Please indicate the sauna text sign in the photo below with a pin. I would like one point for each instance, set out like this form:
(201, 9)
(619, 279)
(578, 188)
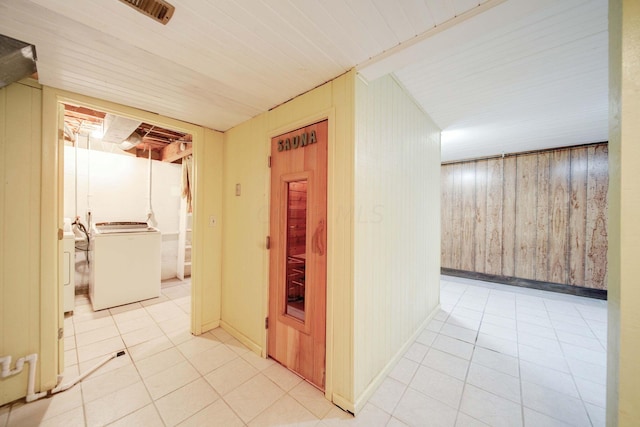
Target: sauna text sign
(297, 141)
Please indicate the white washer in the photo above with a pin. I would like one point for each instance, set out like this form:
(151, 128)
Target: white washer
(69, 270)
(125, 264)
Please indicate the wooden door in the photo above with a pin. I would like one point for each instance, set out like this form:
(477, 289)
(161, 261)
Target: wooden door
(298, 258)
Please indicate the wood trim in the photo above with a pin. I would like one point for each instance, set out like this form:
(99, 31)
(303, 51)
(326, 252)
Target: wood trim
(528, 283)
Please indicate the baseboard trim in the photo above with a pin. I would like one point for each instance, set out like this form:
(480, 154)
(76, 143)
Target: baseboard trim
(528, 283)
(242, 338)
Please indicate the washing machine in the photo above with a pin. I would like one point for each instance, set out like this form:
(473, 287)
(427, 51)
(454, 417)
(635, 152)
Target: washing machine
(124, 263)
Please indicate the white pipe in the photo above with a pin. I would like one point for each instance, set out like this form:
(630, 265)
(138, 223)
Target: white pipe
(31, 394)
(88, 182)
(67, 386)
(6, 366)
(149, 208)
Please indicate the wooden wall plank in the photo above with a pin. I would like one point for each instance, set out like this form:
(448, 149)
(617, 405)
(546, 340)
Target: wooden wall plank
(577, 216)
(540, 216)
(479, 237)
(543, 217)
(468, 182)
(559, 204)
(525, 219)
(509, 216)
(493, 236)
(456, 217)
(596, 241)
(446, 183)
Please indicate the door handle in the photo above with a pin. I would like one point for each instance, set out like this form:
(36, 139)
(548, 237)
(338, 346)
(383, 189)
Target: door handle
(317, 241)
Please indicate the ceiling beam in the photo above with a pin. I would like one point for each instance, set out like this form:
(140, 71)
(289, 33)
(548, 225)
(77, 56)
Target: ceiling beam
(176, 150)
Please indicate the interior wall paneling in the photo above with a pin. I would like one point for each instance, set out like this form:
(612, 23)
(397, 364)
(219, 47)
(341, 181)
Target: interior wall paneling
(468, 180)
(542, 217)
(596, 223)
(509, 216)
(577, 216)
(526, 227)
(456, 216)
(538, 216)
(480, 216)
(493, 257)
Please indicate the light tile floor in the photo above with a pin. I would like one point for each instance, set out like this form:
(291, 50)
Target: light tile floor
(493, 355)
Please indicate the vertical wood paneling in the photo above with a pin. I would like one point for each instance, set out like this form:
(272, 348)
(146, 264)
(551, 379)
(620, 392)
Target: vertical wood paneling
(596, 239)
(525, 233)
(578, 216)
(468, 178)
(456, 218)
(543, 217)
(446, 182)
(509, 216)
(559, 209)
(493, 237)
(479, 237)
(540, 216)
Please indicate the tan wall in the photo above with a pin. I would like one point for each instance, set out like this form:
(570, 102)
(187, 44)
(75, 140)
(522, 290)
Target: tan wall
(539, 216)
(246, 225)
(623, 367)
(397, 228)
(20, 162)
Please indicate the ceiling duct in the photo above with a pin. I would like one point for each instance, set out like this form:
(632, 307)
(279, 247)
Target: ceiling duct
(159, 10)
(117, 129)
(17, 60)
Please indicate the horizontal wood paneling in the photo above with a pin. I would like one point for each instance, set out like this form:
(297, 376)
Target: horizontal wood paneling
(537, 216)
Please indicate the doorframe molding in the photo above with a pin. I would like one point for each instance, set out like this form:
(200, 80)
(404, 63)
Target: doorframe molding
(328, 114)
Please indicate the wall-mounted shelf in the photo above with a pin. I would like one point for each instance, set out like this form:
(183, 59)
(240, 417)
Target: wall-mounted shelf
(184, 241)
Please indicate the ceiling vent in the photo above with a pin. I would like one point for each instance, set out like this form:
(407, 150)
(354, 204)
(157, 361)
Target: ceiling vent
(17, 60)
(159, 10)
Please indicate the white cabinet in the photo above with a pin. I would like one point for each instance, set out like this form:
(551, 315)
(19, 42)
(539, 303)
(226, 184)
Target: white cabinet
(184, 241)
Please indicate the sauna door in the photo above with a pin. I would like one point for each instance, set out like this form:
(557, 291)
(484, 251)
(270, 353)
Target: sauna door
(298, 256)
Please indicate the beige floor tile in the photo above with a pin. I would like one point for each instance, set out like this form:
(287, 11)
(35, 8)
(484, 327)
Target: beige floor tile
(253, 397)
(130, 325)
(388, 394)
(124, 308)
(216, 414)
(149, 348)
(102, 348)
(69, 342)
(180, 336)
(72, 418)
(221, 334)
(144, 417)
(182, 322)
(169, 380)
(186, 402)
(116, 405)
(154, 301)
(311, 398)
(229, 376)
(212, 358)
(490, 409)
(142, 335)
(45, 408)
(70, 357)
(197, 345)
(282, 376)
(105, 367)
(93, 320)
(260, 363)
(100, 386)
(164, 311)
(96, 335)
(236, 346)
(159, 362)
(465, 420)
(286, 411)
(369, 416)
(128, 315)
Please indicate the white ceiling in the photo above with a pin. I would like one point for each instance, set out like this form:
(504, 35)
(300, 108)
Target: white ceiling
(521, 74)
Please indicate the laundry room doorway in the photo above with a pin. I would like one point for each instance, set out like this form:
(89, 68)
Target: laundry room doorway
(140, 159)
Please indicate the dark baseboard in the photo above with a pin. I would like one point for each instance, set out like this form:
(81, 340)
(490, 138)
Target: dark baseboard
(528, 283)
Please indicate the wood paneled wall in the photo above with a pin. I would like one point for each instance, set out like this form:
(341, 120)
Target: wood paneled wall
(539, 216)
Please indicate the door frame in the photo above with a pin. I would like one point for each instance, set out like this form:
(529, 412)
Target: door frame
(53, 201)
(328, 114)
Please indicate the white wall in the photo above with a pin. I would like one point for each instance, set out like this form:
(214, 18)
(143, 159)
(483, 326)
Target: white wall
(397, 227)
(115, 188)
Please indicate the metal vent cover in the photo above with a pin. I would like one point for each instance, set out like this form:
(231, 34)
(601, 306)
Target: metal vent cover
(159, 10)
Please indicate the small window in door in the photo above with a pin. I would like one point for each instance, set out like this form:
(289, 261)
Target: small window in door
(296, 249)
